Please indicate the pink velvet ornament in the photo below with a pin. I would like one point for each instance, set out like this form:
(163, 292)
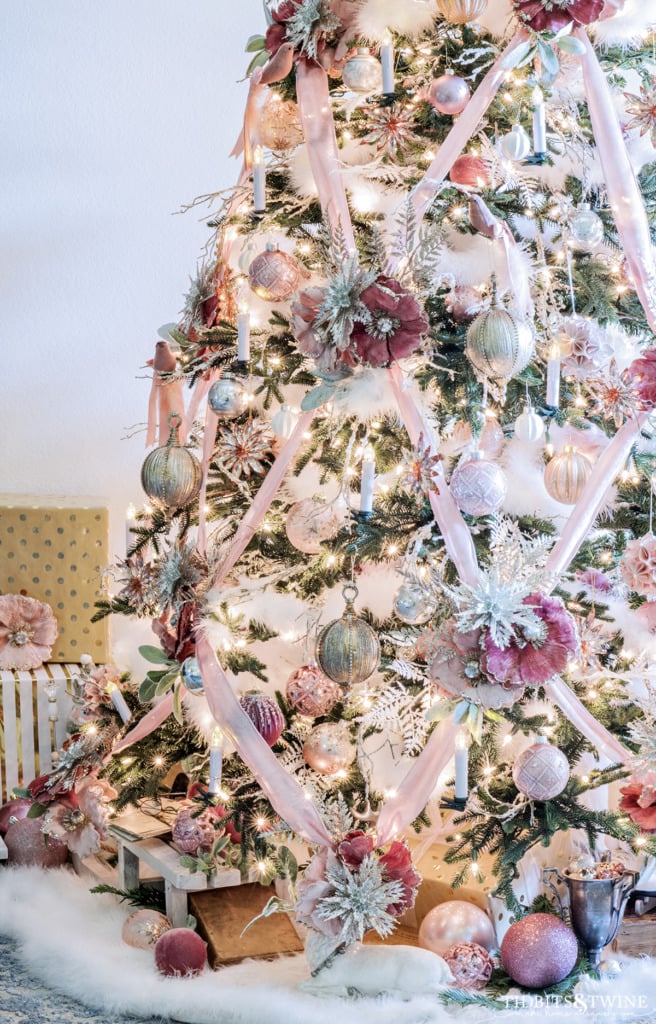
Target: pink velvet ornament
(180, 952)
(265, 715)
(27, 846)
(471, 171)
(13, 809)
(539, 950)
(449, 94)
(470, 964)
(310, 692)
(192, 834)
(638, 565)
(143, 928)
(455, 921)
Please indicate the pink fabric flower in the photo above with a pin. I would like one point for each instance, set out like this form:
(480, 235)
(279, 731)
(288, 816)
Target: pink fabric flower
(276, 32)
(311, 889)
(551, 16)
(644, 371)
(80, 819)
(638, 565)
(397, 867)
(27, 632)
(304, 312)
(397, 323)
(530, 662)
(354, 848)
(639, 801)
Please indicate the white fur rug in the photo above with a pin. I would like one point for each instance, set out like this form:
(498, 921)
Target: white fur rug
(71, 941)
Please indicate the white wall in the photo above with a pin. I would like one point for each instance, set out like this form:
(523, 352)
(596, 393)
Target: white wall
(112, 115)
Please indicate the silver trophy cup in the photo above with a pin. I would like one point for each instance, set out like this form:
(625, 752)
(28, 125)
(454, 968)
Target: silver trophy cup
(595, 907)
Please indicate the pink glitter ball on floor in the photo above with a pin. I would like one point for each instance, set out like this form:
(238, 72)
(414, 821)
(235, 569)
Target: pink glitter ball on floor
(538, 951)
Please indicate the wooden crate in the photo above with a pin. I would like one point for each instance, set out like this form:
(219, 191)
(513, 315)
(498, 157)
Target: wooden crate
(637, 936)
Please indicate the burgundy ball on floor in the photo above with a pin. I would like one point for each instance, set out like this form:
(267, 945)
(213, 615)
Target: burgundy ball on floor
(180, 951)
(538, 951)
(27, 847)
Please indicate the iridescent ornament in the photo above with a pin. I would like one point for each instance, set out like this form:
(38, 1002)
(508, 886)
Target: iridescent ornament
(143, 928)
(283, 422)
(499, 345)
(586, 228)
(455, 921)
(348, 649)
(638, 565)
(566, 475)
(363, 73)
(312, 521)
(470, 964)
(541, 771)
(26, 845)
(279, 124)
(471, 171)
(478, 486)
(171, 474)
(192, 677)
(273, 275)
(310, 692)
(227, 397)
(265, 715)
(413, 605)
(538, 951)
(329, 748)
(461, 12)
(516, 145)
(528, 425)
(449, 94)
(191, 833)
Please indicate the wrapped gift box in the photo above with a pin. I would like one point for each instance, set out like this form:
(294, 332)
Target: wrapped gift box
(55, 549)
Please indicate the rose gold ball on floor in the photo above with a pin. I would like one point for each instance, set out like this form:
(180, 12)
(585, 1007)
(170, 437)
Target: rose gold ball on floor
(27, 847)
(455, 921)
(144, 927)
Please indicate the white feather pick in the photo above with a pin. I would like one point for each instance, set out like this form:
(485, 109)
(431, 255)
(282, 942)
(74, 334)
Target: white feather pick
(376, 17)
(627, 27)
(367, 395)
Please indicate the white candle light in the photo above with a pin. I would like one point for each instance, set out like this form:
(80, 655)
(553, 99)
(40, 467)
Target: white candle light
(118, 700)
(259, 181)
(539, 123)
(243, 333)
(367, 480)
(461, 744)
(553, 376)
(216, 762)
(130, 521)
(387, 62)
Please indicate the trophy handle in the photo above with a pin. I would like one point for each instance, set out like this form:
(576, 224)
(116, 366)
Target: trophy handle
(547, 882)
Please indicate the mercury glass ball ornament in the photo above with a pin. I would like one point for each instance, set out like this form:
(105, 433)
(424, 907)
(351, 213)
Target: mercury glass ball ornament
(191, 676)
(348, 649)
(312, 521)
(528, 425)
(455, 921)
(499, 344)
(449, 94)
(310, 692)
(516, 145)
(279, 124)
(478, 486)
(566, 475)
(227, 397)
(171, 474)
(539, 950)
(541, 772)
(363, 73)
(143, 928)
(273, 275)
(413, 605)
(586, 229)
(283, 422)
(461, 12)
(329, 748)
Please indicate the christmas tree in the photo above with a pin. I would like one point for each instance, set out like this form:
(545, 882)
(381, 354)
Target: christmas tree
(398, 546)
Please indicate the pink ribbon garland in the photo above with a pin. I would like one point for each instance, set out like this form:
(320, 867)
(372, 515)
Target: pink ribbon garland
(209, 437)
(623, 192)
(150, 721)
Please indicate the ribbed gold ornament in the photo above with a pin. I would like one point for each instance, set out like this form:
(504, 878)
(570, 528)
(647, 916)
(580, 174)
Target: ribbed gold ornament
(566, 475)
(171, 474)
(499, 345)
(461, 12)
(348, 650)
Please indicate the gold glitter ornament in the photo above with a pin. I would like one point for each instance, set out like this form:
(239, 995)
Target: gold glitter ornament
(348, 649)
(566, 475)
(171, 475)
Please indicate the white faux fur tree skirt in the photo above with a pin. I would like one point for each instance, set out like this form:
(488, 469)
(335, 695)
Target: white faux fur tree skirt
(71, 941)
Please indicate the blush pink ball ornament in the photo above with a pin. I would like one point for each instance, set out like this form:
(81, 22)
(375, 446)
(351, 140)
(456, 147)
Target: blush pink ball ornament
(449, 94)
(541, 772)
(455, 921)
(273, 275)
(470, 964)
(190, 834)
(471, 171)
(310, 692)
(265, 715)
(27, 847)
(329, 749)
(143, 928)
(312, 521)
(539, 950)
(478, 486)
(180, 952)
(13, 809)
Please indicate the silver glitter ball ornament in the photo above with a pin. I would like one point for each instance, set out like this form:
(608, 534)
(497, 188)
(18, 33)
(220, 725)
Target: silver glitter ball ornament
(478, 486)
(586, 229)
(227, 397)
(363, 73)
(413, 605)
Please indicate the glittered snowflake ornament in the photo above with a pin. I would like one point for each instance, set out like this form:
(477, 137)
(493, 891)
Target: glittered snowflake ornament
(391, 130)
(643, 108)
(243, 449)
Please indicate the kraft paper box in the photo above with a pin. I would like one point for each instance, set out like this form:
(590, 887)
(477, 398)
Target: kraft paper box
(55, 550)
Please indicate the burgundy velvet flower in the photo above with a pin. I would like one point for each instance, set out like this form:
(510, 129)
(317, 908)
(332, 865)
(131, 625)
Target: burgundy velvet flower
(397, 323)
(397, 867)
(354, 848)
(530, 662)
(644, 371)
(547, 16)
(639, 801)
(276, 32)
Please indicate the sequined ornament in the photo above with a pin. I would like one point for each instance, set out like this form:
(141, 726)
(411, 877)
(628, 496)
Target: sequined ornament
(413, 605)
(348, 649)
(363, 73)
(539, 950)
(582, 346)
(191, 676)
(26, 845)
(643, 109)
(528, 425)
(310, 692)
(283, 422)
(243, 449)
(391, 129)
(143, 928)
(471, 171)
(638, 565)
(192, 833)
(265, 715)
(312, 521)
(470, 964)
(499, 345)
(478, 486)
(461, 12)
(279, 124)
(273, 275)
(171, 474)
(586, 228)
(566, 475)
(227, 397)
(329, 748)
(455, 921)
(449, 94)
(541, 772)
(516, 145)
